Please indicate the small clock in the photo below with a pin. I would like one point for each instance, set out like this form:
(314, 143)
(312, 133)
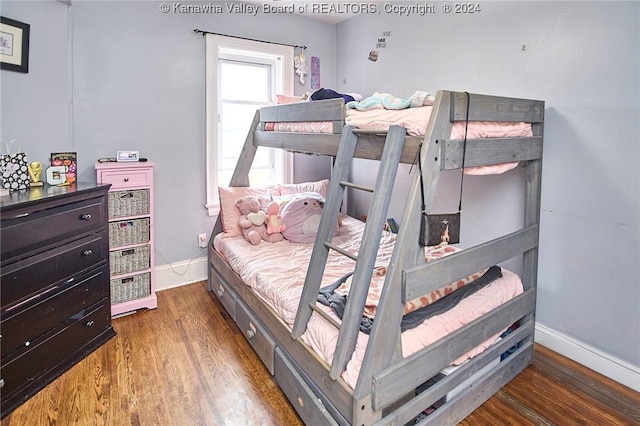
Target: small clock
(128, 156)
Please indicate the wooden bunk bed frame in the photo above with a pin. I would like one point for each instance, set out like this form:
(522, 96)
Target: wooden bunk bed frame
(386, 389)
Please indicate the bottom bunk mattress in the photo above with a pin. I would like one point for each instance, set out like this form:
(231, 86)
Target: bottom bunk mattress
(276, 273)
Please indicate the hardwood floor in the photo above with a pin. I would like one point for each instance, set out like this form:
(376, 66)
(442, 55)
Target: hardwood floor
(186, 363)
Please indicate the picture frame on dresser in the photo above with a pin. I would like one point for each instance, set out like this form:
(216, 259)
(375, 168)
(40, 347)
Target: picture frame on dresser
(131, 236)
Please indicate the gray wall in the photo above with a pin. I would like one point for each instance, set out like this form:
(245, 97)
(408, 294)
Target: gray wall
(582, 58)
(36, 107)
(136, 79)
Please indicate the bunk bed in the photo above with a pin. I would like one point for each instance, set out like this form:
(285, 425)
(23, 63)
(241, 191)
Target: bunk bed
(333, 371)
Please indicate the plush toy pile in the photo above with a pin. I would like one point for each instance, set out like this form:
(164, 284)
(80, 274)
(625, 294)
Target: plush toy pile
(253, 221)
(295, 218)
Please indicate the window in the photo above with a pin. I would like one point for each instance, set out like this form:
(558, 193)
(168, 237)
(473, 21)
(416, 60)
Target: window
(242, 76)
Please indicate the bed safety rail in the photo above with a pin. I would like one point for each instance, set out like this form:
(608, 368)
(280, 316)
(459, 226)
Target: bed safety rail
(392, 383)
(486, 152)
(431, 276)
(325, 110)
(495, 108)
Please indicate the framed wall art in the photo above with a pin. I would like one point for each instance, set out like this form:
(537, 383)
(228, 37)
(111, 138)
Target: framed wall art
(14, 45)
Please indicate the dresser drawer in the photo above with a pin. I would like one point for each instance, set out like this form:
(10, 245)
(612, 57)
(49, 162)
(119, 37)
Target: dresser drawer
(41, 229)
(29, 277)
(21, 326)
(125, 178)
(20, 371)
(261, 342)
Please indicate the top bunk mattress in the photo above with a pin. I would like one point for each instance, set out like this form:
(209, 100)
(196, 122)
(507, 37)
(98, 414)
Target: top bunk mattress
(276, 273)
(415, 120)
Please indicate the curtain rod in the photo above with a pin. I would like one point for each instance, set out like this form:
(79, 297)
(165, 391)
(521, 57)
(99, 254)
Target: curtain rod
(196, 30)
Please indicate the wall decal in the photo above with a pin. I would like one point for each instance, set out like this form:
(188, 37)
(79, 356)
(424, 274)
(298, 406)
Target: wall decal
(315, 72)
(381, 43)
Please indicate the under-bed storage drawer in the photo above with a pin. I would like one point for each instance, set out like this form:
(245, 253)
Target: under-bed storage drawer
(256, 335)
(226, 296)
(305, 402)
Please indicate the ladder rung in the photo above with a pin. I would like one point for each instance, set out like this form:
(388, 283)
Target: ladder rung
(325, 315)
(369, 132)
(341, 251)
(356, 186)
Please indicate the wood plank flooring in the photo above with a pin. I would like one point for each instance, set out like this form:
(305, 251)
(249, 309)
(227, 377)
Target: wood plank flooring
(186, 363)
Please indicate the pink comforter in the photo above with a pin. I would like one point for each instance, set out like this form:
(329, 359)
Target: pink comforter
(276, 273)
(415, 120)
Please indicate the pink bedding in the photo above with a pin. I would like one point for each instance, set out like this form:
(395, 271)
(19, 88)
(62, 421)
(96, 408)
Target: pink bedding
(300, 127)
(276, 273)
(415, 120)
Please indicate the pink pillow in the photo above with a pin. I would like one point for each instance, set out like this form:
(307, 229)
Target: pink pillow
(301, 216)
(286, 99)
(229, 213)
(320, 187)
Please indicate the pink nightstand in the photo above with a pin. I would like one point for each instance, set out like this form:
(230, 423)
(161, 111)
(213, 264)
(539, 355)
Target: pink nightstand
(131, 224)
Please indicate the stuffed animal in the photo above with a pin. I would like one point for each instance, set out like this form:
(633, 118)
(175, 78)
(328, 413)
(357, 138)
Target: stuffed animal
(273, 219)
(301, 215)
(252, 221)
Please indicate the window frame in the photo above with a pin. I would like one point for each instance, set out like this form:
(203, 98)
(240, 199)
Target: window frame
(215, 47)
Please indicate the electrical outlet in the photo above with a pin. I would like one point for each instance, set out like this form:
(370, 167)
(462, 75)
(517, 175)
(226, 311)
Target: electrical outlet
(202, 240)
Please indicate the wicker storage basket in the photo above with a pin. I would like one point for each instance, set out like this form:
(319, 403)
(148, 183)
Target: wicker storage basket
(128, 232)
(130, 260)
(130, 288)
(128, 203)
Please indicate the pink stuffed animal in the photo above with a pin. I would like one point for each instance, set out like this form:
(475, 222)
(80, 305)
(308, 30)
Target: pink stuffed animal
(273, 219)
(252, 221)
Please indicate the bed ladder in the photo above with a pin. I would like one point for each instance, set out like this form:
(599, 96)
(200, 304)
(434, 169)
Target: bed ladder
(366, 258)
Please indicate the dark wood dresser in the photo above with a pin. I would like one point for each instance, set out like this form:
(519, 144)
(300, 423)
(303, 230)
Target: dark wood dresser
(54, 285)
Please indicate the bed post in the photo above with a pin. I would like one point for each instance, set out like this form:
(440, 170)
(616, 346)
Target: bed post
(240, 175)
(532, 217)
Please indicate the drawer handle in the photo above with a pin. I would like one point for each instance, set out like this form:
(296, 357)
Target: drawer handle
(250, 333)
(27, 343)
(85, 216)
(33, 298)
(90, 323)
(220, 292)
(87, 253)
(1, 383)
(126, 179)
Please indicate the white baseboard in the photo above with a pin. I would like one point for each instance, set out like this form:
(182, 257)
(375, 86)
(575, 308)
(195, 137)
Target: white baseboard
(180, 273)
(595, 359)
